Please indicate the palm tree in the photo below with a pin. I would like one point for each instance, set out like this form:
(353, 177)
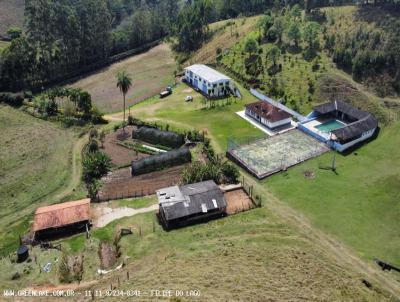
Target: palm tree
(124, 83)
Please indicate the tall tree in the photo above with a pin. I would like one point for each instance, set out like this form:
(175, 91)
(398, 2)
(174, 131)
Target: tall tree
(124, 83)
(273, 54)
(294, 33)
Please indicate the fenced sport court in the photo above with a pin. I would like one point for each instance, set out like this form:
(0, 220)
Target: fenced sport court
(263, 157)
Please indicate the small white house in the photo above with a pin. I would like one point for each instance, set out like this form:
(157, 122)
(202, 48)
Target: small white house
(268, 115)
(211, 82)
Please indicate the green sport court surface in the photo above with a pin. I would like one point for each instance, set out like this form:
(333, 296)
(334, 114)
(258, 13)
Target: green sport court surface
(330, 126)
(268, 156)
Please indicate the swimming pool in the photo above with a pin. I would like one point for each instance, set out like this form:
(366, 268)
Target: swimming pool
(330, 126)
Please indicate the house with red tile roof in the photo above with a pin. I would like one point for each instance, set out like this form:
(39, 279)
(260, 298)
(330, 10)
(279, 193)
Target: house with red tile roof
(268, 115)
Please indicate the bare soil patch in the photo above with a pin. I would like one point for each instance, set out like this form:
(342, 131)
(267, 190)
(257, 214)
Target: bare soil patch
(120, 184)
(103, 215)
(188, 90)
(121, 155)
(107, 254)
(237, 201)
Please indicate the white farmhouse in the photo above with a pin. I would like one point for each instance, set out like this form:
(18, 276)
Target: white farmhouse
(211, 82)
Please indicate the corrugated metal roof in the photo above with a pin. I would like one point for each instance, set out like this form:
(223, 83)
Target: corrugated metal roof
(198, 197)
(207, 73)
(61, 214)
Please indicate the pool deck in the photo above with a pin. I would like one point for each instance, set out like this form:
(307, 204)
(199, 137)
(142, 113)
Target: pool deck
(313, 126)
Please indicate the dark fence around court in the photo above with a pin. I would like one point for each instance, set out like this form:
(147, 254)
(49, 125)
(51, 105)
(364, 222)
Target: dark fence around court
(234, 143)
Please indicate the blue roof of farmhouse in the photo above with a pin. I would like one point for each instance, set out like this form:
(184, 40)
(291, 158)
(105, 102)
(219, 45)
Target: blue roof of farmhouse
(207, 73)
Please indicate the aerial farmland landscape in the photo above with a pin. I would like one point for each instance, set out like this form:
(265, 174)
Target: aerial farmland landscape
(204, 150)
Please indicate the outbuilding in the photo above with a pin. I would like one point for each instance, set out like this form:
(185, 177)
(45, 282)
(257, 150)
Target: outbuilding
(210, 81)
(188, 204)
(64, 218)
(268, 115)
(340, 125)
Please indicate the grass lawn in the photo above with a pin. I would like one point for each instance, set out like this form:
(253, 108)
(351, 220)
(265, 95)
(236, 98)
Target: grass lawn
(4, 44)
(135, 203)
(151, 72)
(360, 205)
(249, 248)
(219, 123)
(35, 160)
(255, 248)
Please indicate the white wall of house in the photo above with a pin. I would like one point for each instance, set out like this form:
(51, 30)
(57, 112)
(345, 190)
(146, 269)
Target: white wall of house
(366, 135)
(276, 124)
(213, 89)
(267, 123)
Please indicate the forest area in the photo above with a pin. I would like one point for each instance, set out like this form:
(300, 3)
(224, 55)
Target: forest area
(64, 37)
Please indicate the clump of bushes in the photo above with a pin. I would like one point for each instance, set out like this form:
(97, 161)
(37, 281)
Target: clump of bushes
(78, 110)
(70, 268)
(95, 164)
(218, 171)
(12, 99)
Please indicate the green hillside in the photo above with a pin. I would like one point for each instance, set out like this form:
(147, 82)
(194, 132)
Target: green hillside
(36, 160)
(288, 58)
(359, 205)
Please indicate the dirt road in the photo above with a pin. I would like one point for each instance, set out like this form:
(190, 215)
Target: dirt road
(105, 215)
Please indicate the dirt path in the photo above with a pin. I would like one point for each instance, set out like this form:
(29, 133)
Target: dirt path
(76, 173)
(334, 248)
(105, 215)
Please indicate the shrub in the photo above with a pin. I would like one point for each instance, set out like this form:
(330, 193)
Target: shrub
(28, 95)
(93, 188)
(12, 99)
(97, 116)
(93, 133)
(64, 273)
(50, 107)
(230, 172)
(198, 172)
(95, 165)
(130, 120)
(93, 146)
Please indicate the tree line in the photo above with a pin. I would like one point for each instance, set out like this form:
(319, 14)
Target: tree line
(64, 36)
